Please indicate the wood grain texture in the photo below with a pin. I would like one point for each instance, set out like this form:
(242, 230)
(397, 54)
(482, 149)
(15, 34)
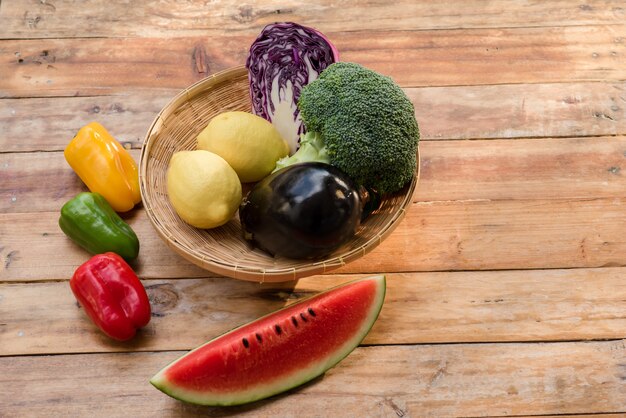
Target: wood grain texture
(496, 306)
(456, 235)
(48, 124)
(39, 181)
(422, 380)
(506, 292)
(601, 415)
(52, 252)
(561, 168)
(487, 235)
(520, 110)
(31, 19)
(79, 67)
(549, 168)
(458, 112)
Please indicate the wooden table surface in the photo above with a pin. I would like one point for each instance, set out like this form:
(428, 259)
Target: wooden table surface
(506, 279)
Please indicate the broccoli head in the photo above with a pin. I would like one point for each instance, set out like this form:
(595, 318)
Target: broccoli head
(361, 122)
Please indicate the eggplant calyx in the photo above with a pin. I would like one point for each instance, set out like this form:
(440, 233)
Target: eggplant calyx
(371, 199)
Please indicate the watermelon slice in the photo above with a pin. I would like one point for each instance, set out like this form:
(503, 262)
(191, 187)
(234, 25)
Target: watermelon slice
(278, 351)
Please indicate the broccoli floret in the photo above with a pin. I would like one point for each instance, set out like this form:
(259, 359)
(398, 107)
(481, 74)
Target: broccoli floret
(363, 123)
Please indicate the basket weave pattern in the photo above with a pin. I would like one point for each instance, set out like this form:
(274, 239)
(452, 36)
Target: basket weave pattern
(223, 250)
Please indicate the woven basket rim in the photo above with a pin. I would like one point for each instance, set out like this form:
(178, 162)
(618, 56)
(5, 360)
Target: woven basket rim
(254, 273)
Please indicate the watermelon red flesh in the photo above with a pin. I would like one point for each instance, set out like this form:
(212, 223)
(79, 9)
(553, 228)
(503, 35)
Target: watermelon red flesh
(278, 351)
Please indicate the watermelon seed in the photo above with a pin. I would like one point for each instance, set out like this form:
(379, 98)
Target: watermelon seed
(278, 329)
(303, 317)
(258, 337)
(311, 312)
(245, 343)
(295, 321)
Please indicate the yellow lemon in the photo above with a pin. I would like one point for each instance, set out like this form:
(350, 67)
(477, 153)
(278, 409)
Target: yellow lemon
(203, 189)
(249, 143)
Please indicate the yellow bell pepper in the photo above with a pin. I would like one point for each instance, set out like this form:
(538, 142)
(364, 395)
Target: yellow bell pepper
(104, 166)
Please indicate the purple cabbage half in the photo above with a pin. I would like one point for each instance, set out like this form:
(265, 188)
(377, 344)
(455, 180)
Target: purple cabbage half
(284, 58)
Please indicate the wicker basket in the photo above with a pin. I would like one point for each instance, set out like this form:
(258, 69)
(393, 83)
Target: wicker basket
(223, 250)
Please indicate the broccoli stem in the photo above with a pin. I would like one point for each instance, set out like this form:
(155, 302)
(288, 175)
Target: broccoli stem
(312, 149)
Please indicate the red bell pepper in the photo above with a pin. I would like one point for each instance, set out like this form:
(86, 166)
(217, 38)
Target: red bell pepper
(112, 295)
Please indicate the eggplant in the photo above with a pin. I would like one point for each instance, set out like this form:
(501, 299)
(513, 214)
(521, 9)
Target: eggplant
(303, 211)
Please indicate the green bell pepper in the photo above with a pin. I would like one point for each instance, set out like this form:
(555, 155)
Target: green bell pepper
(91, 222)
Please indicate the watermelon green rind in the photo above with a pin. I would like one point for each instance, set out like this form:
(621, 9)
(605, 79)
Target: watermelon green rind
(261, 391)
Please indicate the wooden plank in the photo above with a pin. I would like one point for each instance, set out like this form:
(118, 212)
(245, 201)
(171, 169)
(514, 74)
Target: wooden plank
(48, 124)
(455, 235)
(600, 415)
(30, 19)
(40, 181)
(495, 306)
(555, 168)
(79, 67)
(457, 112)
(561, 168)
(51, 255)
(487, 235)
(425, 381)
(520, 110)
